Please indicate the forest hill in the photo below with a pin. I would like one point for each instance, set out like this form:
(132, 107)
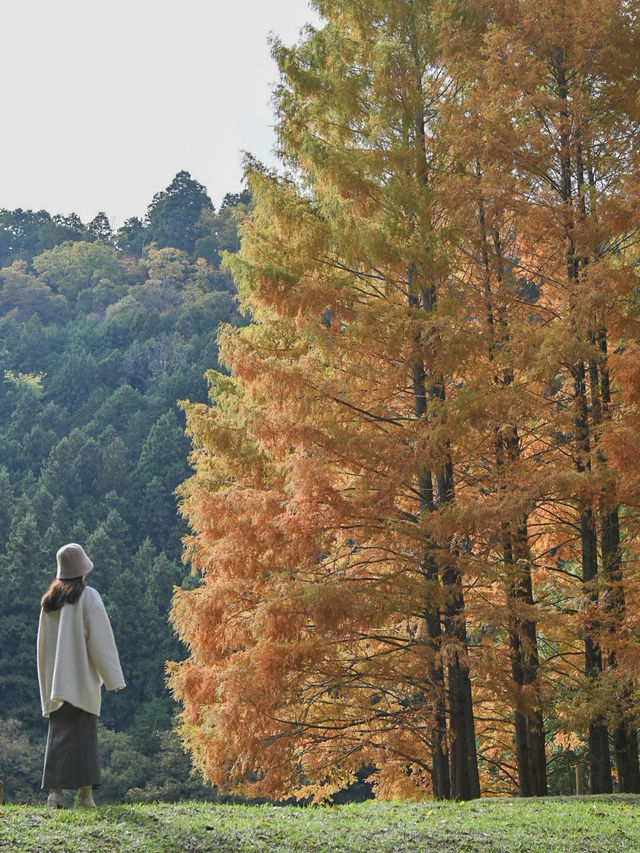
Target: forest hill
(102, 333)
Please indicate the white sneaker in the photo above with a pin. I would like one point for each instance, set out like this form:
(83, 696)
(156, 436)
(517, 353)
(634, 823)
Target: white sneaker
(56, 799)
(85, 798)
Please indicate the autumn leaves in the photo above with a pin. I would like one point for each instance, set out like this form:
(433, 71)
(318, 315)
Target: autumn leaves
(411, 503)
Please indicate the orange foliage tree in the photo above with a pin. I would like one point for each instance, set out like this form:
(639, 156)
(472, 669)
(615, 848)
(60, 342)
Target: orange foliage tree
(411, 499)
(559, 102)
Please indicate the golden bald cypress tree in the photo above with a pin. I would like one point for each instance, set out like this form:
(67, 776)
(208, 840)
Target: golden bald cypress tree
(411, 501)
(553, 91)
(344, 268)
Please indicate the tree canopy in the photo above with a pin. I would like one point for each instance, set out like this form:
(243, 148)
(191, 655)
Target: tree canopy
(412, 504)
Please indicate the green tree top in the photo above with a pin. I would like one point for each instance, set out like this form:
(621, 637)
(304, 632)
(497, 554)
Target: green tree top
(174, 213)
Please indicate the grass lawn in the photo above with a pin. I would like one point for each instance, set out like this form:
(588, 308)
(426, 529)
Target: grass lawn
(576, 824)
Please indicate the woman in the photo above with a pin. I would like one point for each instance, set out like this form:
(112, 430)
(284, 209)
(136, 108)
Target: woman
(76, 655)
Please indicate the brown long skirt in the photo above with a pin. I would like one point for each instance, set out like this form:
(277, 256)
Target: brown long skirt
(71, 758)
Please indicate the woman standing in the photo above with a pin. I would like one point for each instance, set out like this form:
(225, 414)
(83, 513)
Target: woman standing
(76, 655)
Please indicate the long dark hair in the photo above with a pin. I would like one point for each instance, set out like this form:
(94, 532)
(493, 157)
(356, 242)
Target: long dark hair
(62, 592)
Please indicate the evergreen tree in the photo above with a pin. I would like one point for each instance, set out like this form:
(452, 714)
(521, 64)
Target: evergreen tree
(173, 214)
(131, 237)
(26, 571)
(100, 228)
(26, 233)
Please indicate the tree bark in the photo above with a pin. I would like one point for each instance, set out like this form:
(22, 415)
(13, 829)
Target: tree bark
(463, 760)
(456, 774)
(600, 781)
(598, 738)
(625, 735)
(625, 744)
(529, 723)
(465, 780)
(440, 776)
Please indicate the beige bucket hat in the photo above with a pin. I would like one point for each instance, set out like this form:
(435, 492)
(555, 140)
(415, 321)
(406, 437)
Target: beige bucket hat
(72, 562)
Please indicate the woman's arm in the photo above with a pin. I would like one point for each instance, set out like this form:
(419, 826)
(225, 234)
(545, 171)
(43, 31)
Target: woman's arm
(101, 646)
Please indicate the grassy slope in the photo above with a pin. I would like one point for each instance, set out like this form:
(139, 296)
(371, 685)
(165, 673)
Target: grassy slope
(579, 825)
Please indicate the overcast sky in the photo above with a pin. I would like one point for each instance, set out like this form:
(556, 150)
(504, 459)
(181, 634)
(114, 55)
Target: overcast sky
(103, 102)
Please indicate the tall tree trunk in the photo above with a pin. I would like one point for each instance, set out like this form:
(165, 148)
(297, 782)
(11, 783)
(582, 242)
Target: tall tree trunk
(599, 758)
(598, 737)
(440, 774)
(435, 676)
(422, 296)
(523, 642)
(465, 780)
(455, 774)
(625, 735)
(525, 664)
(523, 645)
(463, 759)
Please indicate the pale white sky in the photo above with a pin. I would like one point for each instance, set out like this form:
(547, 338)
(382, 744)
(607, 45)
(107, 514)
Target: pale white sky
(103, 101)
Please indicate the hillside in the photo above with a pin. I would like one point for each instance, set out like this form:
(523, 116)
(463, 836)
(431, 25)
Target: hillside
(101, 334)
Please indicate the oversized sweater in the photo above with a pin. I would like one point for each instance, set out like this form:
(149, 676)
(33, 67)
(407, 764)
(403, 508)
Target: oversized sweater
(77, 654)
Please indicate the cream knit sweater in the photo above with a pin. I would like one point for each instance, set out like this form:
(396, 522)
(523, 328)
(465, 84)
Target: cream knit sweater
(76, 654)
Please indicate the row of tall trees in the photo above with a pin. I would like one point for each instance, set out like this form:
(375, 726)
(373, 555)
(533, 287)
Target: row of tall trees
(414, 504)
(181, 216)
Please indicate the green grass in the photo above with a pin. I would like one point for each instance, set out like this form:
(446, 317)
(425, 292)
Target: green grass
(576, 824)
